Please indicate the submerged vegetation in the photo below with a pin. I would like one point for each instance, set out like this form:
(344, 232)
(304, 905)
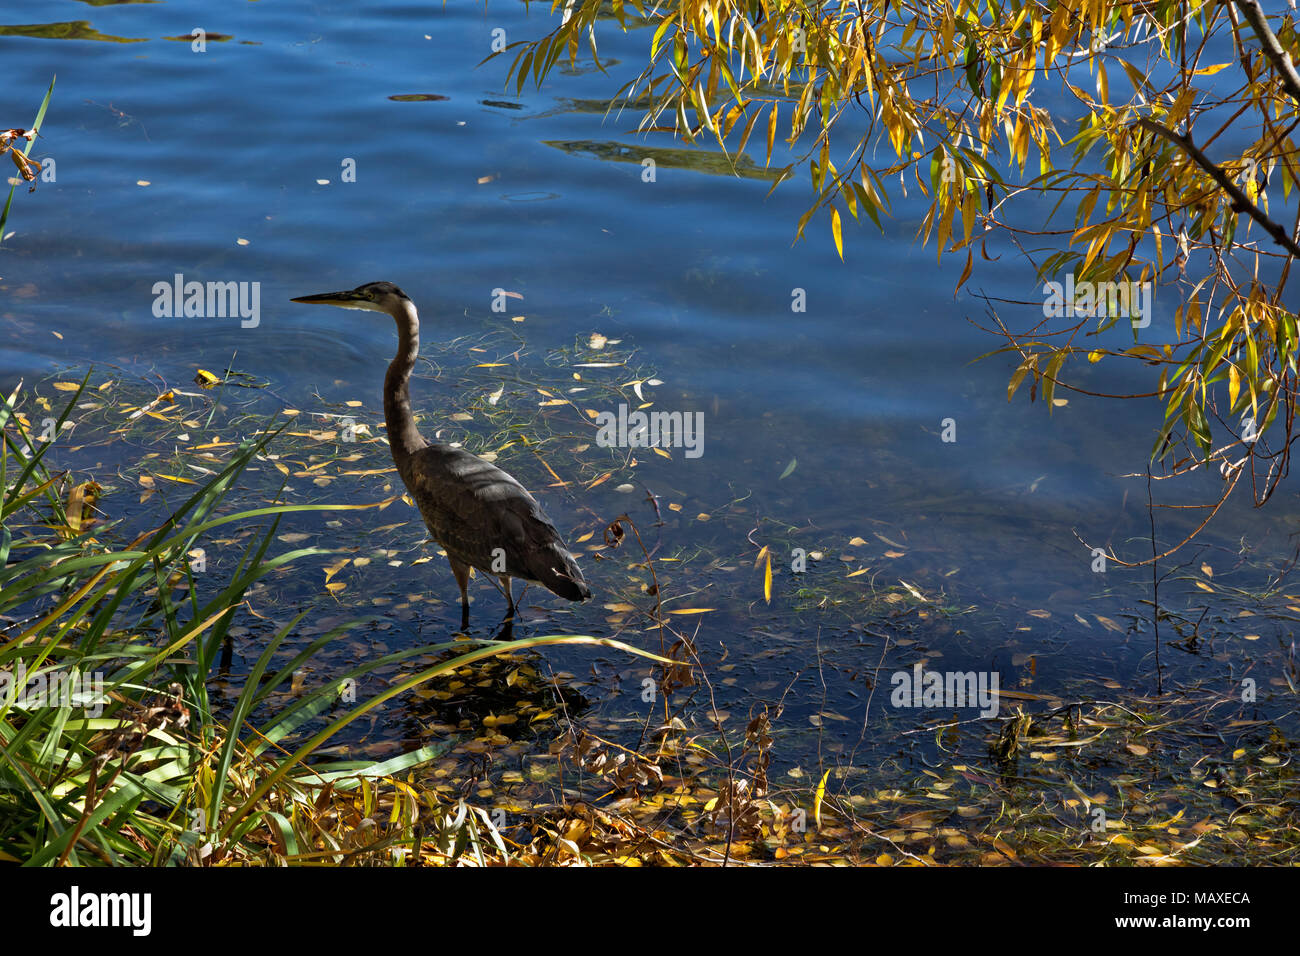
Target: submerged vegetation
(256, 605)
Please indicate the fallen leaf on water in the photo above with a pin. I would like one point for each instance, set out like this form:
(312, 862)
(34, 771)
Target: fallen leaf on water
(818, 796)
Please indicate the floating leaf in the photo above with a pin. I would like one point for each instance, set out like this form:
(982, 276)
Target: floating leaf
(818, 796)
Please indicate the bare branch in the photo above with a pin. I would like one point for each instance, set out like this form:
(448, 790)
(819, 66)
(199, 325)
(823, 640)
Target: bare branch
(1277, 57)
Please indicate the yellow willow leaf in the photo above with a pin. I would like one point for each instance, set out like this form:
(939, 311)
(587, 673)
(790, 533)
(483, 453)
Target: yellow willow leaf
(81, 499)
(970, 207)
(1103, 87)
(965, 273)
(818, 796)
(836, 232)
(945, 224)
(1058, 32)
(771, 132)
(767, 581)
(897, 130)
(1020, 143)
(693, 610)
(335, 568)
(1234, 385)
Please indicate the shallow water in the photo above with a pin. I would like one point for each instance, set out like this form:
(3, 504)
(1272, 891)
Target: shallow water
(211, 165)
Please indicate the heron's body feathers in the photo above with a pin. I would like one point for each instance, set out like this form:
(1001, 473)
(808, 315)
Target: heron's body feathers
(485, 518)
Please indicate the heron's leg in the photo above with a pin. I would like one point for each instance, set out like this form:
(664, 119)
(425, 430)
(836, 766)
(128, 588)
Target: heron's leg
(508, 587)
(461, 571)
(508, 622)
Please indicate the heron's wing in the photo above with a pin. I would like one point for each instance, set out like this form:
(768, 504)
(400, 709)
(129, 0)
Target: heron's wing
(487, 519)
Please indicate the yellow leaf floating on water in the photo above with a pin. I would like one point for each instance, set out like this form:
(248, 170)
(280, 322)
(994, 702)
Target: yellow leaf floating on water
(693, 610)
(818, 796)
(66, 386)
(767, 581)
(205, 379)
(81, 505)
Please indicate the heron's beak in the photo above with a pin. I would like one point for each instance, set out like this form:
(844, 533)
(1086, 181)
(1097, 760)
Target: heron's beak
(346, 300)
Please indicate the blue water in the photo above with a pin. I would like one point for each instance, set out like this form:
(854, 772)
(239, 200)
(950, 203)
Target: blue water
(695, 271)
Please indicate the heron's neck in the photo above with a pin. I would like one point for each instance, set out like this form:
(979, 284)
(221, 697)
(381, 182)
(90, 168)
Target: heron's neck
(403, 436)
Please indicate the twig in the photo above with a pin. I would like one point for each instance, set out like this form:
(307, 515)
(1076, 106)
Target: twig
(1240, 200)
(1276, 56)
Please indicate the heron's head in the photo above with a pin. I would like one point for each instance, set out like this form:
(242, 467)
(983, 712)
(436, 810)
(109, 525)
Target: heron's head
(373, 297)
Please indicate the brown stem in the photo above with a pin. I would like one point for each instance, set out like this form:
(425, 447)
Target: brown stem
(1277, 57)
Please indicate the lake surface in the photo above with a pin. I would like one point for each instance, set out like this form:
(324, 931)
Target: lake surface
(228, 165)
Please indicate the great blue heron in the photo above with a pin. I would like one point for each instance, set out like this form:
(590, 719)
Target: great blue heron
(481, 516)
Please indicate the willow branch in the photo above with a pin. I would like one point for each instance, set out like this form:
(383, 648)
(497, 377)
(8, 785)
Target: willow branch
(1240, 200)
(1277, 57)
